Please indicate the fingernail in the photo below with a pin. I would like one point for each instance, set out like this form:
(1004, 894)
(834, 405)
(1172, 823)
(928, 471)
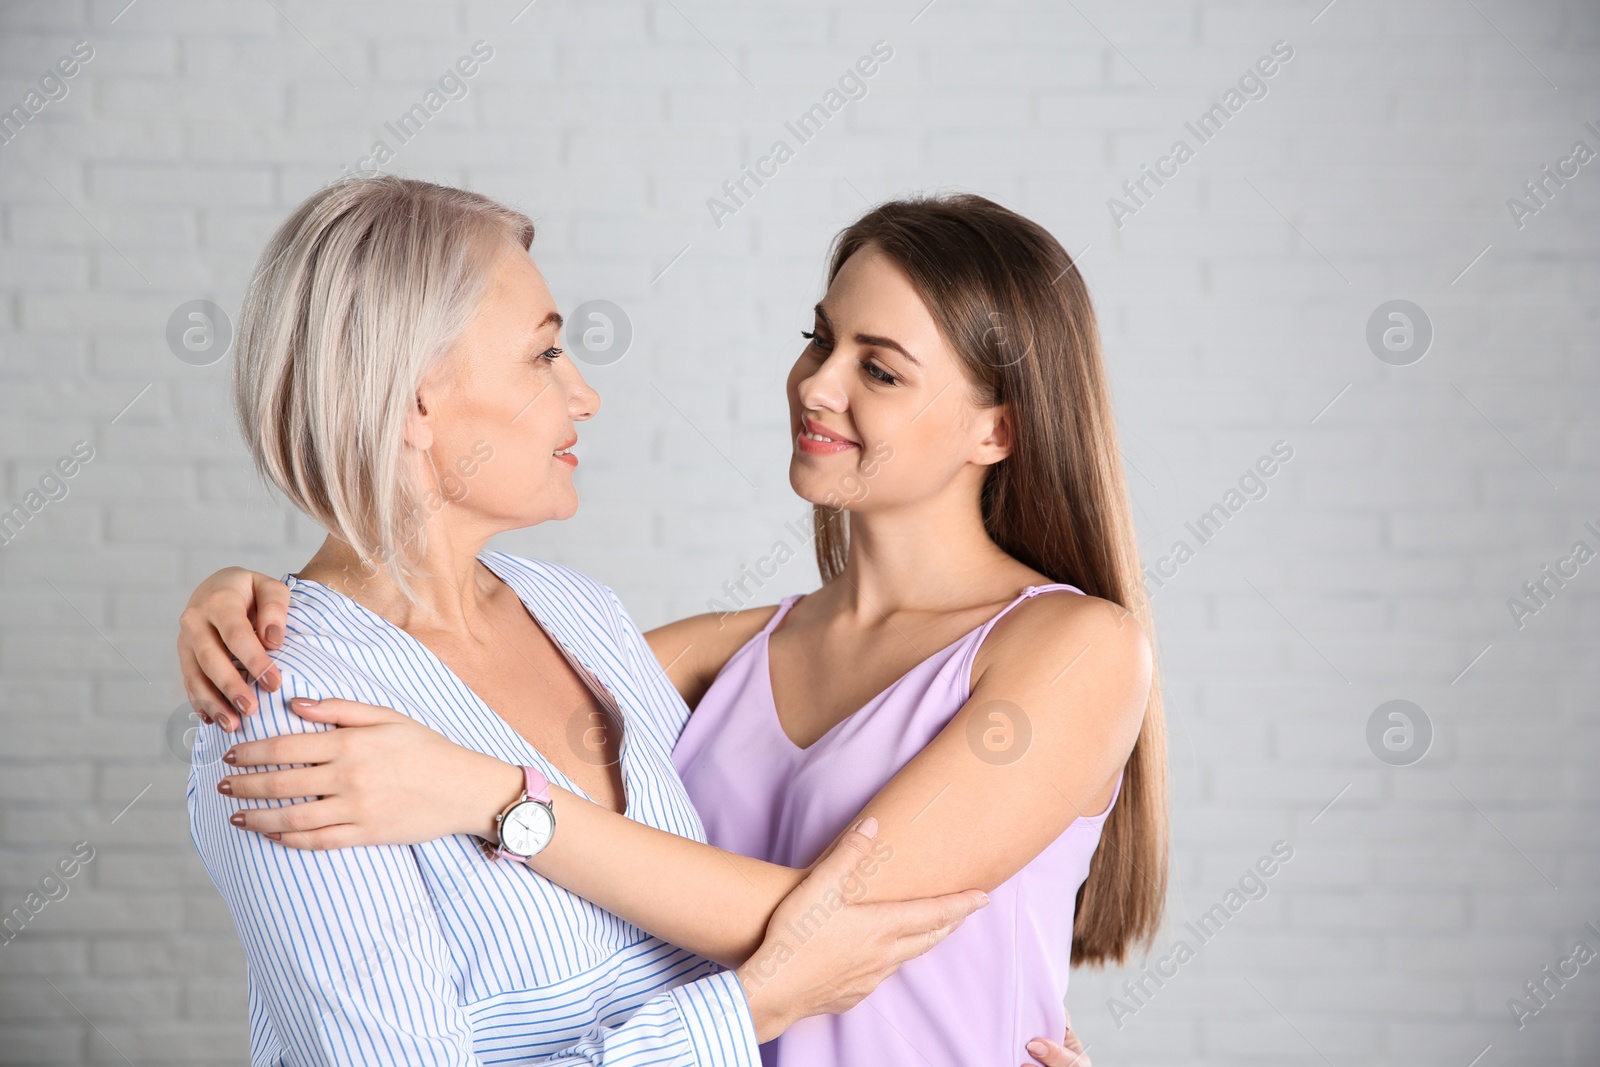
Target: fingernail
(276, 837)
(1037, 1047)
(229, 758)
(868, 826)
(983, 899)
(237, 818)
(302, 703)
(225, 787)
(240, 703)
(274, 635)
(273, 679)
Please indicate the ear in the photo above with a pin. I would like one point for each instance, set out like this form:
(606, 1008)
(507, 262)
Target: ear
(425, 406)
(997, 443)
(419, 421)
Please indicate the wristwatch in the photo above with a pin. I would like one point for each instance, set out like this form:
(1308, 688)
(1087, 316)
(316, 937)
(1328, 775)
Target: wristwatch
(527, 824)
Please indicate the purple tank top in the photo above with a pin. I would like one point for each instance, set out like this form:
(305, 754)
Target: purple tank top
(978, 996)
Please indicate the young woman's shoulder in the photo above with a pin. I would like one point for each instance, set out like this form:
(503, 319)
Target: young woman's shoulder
(1049, 633)
(693, 651)
(717, 632)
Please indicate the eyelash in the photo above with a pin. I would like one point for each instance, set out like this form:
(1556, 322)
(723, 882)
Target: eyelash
(875, 372)
(550, 355)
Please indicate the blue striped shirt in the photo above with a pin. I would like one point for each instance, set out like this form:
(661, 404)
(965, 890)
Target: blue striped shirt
(433, 954)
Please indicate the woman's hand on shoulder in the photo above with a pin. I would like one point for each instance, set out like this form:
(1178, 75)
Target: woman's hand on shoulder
(380, 778)
(221, 652)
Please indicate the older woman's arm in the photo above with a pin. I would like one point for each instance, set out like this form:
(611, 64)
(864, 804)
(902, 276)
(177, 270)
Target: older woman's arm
(347, 950)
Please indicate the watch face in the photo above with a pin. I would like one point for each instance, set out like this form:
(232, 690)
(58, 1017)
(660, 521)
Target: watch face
(527, 828)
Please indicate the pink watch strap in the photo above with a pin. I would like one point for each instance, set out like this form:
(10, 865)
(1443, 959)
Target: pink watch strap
(538, 785)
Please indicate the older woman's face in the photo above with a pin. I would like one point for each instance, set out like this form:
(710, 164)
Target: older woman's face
(501, 409)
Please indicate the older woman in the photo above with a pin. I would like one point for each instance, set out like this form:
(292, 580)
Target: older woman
(398, 348)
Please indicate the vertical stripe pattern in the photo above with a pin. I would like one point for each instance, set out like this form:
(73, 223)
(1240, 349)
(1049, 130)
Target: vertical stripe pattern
(431, 954)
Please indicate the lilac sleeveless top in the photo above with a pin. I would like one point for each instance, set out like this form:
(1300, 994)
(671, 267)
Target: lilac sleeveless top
(978, 996)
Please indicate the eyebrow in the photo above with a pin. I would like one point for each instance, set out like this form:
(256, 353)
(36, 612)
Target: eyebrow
(553, 317)
(870, 339)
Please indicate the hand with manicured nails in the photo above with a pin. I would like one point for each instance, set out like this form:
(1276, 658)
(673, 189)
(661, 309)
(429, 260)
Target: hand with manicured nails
(232, 618)
(381, 778)
(854, 949)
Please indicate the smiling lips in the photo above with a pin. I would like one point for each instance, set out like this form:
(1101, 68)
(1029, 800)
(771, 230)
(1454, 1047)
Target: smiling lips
(818, 440)
(563, 456)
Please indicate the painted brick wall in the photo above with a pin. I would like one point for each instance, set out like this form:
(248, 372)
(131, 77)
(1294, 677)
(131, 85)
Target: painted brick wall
(1379, 562)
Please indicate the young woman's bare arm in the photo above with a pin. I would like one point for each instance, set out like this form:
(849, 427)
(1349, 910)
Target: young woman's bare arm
(693, 651)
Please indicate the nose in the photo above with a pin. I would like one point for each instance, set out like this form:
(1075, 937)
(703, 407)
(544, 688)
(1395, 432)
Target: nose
(583, 400)
(822, 390)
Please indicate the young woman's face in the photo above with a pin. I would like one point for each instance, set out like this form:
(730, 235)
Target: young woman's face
(503, 404)
(880, 410)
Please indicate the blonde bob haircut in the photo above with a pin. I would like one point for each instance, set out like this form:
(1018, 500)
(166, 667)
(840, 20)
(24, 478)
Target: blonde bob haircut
(357, 297)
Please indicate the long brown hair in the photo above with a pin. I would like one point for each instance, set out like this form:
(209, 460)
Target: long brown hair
(1010, 301)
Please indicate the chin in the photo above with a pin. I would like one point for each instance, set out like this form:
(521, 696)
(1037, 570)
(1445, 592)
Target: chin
(547, 507)
(565, 509)
(798, 478)
(807, 485)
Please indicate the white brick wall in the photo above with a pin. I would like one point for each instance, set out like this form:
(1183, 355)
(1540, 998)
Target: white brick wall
(1377, 567)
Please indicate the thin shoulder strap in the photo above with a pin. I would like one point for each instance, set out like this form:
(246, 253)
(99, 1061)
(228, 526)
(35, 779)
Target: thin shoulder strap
(982, 634)
(777, 616)
(1032, 590)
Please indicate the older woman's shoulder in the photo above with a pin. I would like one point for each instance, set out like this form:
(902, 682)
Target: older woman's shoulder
(329, 636)
(564, 596)
(541, 576)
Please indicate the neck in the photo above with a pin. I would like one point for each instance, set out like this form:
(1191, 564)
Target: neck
(926, 556)
(449, 587)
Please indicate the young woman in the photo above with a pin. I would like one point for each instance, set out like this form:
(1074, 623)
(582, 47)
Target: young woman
(974, 673)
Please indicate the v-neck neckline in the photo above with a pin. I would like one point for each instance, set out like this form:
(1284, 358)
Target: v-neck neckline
(552, 772)
(772, 692)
